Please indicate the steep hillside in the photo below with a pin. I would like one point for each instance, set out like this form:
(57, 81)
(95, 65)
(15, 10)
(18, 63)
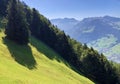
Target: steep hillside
(34, 64)
(22, 23)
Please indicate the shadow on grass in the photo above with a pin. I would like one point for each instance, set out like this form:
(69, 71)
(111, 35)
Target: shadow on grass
(22, 54)
(47, 51)
(41, 47)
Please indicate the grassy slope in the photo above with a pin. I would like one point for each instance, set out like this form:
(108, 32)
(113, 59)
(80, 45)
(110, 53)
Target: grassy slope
(34, 64)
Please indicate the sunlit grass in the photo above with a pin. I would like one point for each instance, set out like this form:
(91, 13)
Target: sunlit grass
(47, 66)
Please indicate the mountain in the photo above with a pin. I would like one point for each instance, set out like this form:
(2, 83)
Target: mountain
(34, 64)
(96, 27)
(76, 56)
(65, 24)
(102, 33)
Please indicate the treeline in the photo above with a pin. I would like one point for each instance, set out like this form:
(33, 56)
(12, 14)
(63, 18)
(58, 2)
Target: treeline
(95, 66)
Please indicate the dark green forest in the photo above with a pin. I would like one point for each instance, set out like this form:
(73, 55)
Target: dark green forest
(23, 22)
(17, 27)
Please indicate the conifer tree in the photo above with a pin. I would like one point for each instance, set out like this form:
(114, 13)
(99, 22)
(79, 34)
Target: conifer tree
(35, 23)
(3, 7)
(17, 27)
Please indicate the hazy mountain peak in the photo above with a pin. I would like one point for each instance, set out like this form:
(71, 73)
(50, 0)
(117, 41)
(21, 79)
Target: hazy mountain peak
(65, 23)
(64, 20)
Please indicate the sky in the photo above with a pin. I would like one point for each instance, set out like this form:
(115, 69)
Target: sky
(77, 9)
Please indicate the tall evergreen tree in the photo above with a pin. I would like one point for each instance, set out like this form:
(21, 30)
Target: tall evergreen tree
(17, 27)
(3, 7)
(35, 23)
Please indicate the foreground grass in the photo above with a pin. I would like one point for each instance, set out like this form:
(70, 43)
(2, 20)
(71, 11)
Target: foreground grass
(34, 64)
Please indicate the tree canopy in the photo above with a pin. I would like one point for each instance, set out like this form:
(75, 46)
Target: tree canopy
(17, 26)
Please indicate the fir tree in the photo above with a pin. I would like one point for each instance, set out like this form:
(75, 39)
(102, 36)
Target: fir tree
(3, 7)
(35, 23)
(17, 27)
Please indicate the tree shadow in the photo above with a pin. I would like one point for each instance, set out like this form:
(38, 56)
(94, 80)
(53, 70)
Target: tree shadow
(41, 47)
(46, 50)
(22, 54)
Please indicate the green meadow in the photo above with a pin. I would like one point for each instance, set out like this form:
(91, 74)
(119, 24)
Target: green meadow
(34, 64)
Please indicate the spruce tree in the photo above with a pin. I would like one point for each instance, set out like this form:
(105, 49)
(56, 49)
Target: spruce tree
(17, 27)
(3, 7)
(35, 23)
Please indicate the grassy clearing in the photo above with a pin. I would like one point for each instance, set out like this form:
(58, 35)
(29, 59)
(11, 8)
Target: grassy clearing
(34, 64)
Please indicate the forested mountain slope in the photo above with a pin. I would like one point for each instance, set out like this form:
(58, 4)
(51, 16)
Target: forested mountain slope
(23, 26)
(34, 64)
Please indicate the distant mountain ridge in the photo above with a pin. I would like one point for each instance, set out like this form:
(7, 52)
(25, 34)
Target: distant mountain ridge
(96, 27)
(102, 33)
(65, 23)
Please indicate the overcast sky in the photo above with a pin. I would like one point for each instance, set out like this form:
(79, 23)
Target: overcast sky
(75, 8)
